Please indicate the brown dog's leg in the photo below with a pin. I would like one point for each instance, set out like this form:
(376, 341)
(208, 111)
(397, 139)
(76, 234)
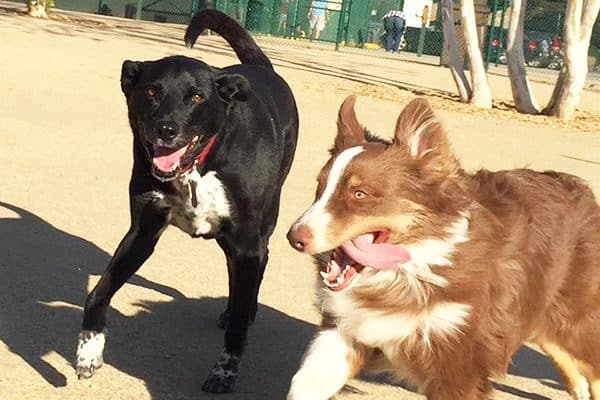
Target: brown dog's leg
(329, 362)
(447, 393)
(468, 385)
(592, 374)
(595, 389)
(567, 366)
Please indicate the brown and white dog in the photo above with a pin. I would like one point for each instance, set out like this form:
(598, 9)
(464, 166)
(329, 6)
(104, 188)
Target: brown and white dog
(440, 275)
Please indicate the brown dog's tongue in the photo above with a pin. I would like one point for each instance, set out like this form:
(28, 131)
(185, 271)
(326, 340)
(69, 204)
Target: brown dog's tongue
(375, 255)
(167, 159)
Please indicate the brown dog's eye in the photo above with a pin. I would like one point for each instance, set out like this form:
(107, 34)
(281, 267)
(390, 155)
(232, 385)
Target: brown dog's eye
(196, 98)
(150, 92)
(359, 194)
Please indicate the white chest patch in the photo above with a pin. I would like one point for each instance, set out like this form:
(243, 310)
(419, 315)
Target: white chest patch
(378, 328)
(206, 204)
(384, 328)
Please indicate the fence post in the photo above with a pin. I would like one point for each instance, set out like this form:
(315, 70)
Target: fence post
(340, 27)
(439, 26)
(193, 7)
(100, 2)
(347, 25)
(504, 7)
(294, 26)
(138, 9)
(490, 33)
(421, 41)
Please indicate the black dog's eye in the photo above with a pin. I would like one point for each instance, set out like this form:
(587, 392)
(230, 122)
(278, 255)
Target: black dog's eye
(150, 92)
(196, 98)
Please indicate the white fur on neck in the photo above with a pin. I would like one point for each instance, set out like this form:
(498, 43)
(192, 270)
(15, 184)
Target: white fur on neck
(436, 252)
(375, 327)
(211, 202)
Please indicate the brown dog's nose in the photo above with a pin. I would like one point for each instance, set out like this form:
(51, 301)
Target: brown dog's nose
(299, 237)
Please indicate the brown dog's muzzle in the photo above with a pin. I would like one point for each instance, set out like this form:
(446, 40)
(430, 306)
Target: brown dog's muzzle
(300, 237)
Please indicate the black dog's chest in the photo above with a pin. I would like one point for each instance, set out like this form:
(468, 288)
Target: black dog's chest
(200, 205)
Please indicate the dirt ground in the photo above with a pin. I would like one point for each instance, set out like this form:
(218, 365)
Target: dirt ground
(65, 151)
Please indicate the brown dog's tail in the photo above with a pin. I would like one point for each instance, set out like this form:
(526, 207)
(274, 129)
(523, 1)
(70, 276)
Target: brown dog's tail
(238, 38)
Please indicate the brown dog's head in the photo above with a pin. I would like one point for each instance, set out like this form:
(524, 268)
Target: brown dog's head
(374, 198)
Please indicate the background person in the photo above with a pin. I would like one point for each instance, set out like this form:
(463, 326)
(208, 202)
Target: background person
(425, 16)
(317, 15)
(283, 16)
(394, 23)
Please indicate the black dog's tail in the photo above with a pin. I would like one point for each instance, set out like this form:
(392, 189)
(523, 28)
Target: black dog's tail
(238, 38)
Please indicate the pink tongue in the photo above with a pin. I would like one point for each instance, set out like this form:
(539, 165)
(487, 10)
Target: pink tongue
(375, 255)
(167, 159)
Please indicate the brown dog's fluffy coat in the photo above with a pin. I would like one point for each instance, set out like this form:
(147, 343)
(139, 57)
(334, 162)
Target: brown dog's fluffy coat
(497, 258)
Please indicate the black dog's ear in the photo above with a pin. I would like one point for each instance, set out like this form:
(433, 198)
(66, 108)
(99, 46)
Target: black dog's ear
(233, 86)
(130, 72)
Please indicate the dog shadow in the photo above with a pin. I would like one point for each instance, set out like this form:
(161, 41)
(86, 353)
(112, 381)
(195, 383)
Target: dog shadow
(170, 345)
(526, 363)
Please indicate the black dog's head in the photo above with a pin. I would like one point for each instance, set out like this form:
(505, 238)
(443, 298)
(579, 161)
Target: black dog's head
(175, 104)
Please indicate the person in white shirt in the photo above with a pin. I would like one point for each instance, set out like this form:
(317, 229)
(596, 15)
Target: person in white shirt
(317, 16)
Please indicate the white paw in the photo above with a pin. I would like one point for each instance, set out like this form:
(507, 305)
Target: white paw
(89, 353)
(582, 391)
(305, 387)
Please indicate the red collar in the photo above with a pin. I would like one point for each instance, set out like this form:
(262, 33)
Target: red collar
(200, 158)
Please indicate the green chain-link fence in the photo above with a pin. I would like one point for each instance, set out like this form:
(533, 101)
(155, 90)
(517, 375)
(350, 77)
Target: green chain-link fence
(357, 25)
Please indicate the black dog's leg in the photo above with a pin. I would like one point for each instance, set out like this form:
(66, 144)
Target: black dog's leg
(249, 258)
(223, 320)
(134, 249)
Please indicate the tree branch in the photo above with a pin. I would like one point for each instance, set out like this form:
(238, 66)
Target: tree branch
(524, 101)
(458, 73)
(588, 18)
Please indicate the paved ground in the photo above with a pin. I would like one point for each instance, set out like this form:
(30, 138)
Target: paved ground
(65, 153)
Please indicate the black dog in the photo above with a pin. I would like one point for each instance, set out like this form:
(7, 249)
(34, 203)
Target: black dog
(212, 148)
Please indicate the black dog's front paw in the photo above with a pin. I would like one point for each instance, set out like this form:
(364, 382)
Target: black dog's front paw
(220, 381)
(223, 376)
(86, 371)
(89, 353)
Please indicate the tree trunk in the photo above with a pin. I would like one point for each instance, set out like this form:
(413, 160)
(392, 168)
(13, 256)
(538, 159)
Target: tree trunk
(456, 68)
(481, 96)
(579, 21)
(524, 101)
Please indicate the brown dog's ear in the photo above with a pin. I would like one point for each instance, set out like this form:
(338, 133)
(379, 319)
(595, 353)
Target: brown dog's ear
(421, 135)
(349, 131)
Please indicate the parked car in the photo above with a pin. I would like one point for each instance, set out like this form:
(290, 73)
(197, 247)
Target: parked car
(498, 51)
(540, 50)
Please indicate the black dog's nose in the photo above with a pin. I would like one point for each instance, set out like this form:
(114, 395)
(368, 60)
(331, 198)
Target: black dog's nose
(165, 131)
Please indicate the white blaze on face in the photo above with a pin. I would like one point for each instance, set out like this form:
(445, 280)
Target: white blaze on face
(317, 218)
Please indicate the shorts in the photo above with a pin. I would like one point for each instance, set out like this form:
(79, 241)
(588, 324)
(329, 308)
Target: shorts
(317, 22)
